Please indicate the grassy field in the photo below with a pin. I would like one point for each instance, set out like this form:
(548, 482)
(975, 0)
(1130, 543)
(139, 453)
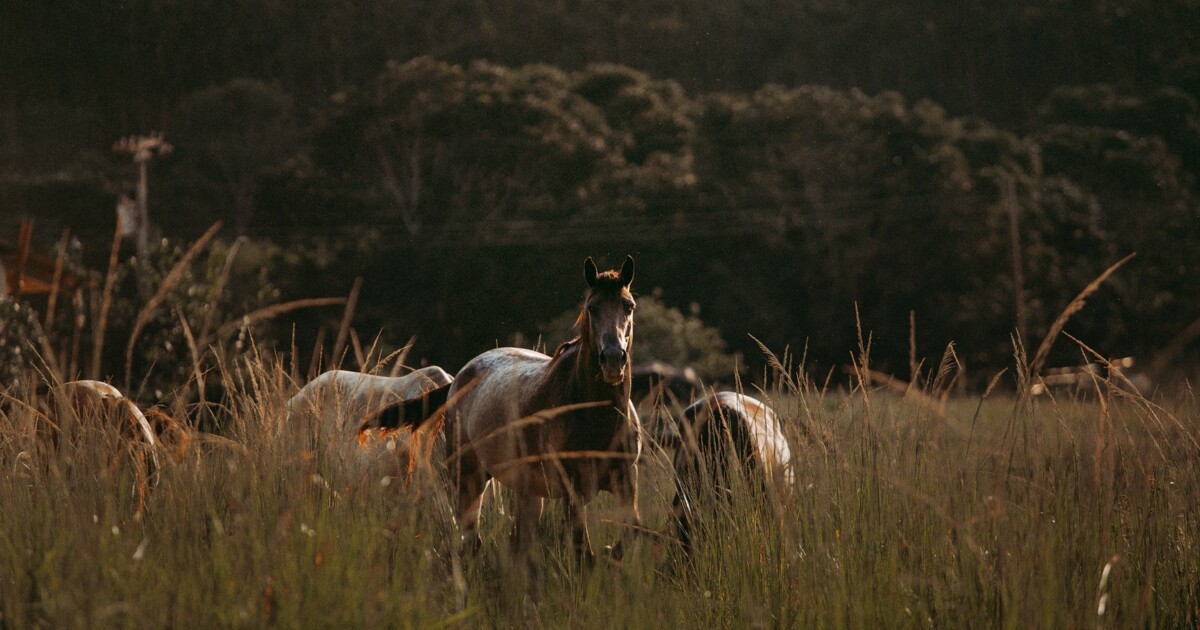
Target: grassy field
(917, 510)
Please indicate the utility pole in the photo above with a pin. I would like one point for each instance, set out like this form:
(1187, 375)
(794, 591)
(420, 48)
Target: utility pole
(1014, 228)
(143, 149)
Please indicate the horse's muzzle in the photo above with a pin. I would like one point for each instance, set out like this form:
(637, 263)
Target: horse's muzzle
(612, 365)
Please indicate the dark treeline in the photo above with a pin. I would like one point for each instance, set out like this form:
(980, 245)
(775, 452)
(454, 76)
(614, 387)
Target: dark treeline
(78, 68)
(778, 164)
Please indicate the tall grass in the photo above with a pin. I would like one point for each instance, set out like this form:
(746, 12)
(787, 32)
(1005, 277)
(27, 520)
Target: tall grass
(911, 508)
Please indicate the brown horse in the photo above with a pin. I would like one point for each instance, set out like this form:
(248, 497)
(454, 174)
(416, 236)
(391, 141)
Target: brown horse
(556, 426)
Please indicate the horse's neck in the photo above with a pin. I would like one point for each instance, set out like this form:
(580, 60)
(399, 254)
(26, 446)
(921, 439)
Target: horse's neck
(576, 372)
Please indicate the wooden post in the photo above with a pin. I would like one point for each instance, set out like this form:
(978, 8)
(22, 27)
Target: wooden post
(143, 214)
(143, 149)
(1014, 228)
(18, 286)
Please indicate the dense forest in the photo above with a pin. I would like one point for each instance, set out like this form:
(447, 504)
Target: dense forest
(954, 172)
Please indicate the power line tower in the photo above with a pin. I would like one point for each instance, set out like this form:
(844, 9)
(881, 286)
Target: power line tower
(1013, 207)
(143, 149)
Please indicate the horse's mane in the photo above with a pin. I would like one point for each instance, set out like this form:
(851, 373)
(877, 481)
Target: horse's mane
(565, 346)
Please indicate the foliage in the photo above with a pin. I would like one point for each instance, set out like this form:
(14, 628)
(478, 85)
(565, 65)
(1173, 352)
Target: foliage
(21, 341)
(198, 315)
(232, 137)
(762, 148)
(896, 207)
(154, 52)
(481, 146)
(198, 305)
(1139, 156)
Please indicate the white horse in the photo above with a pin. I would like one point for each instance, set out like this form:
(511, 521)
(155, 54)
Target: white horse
(351, 409)
(715, 430)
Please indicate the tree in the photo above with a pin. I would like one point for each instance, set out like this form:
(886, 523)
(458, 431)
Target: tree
(1139, 157)
(441, 144)
(887, 207)
(230, 138)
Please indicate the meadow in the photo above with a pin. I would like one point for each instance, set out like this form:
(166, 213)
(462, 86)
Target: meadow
(913, 507)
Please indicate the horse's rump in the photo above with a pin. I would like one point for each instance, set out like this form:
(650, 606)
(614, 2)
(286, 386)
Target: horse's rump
(729, 424)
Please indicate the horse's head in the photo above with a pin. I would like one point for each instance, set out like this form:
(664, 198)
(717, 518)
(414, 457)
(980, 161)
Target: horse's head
(606, 323)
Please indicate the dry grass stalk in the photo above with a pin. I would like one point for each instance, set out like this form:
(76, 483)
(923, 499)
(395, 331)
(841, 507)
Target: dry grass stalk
(995, 380)
(1102, 593)
(400, 355)
(168, 283)
(914, 367)
(314, 362)
(356, 344)
(110, 280)
(1020, 359)
(783, 373)
(860, 364)
(929, 403)
(76, 333)
(218, 290)
(193, 349)
(376, 359)
(59, 262)
(862, 361)
(294, 352)
(948, 375)
(1075, 306)
(1119, 384)
(45, 352)
(275, 310)
(339, 343)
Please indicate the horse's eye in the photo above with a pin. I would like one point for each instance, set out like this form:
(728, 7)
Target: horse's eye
(593, 309)
(630, 307)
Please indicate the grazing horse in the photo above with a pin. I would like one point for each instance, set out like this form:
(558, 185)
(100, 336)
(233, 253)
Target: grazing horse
(151, 427)
(556, 426)
(346, 408)
(72, 406)
(85, 399)
(725, 428)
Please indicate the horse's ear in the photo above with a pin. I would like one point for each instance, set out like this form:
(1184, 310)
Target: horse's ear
(627, 271)
(589, 271)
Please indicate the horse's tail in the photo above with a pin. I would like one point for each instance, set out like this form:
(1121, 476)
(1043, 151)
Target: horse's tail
(412, 413)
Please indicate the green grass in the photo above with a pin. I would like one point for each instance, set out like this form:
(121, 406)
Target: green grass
(982, 514)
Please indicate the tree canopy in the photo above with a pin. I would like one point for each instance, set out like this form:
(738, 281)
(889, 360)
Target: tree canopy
(783, 165)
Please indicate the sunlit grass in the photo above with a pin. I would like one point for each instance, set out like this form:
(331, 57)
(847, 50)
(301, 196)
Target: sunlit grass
(906, 512)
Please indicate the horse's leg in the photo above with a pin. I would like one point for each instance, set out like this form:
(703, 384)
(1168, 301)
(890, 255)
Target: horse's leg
(625, 488)
(471, 480)
(526, 512)
(681, 510)
(577, 518)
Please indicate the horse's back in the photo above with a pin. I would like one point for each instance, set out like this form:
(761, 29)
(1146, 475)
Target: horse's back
(766, 434)
(754, 427)
(334, 406)
(493, 388)
(340, 399)
(79, 396)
